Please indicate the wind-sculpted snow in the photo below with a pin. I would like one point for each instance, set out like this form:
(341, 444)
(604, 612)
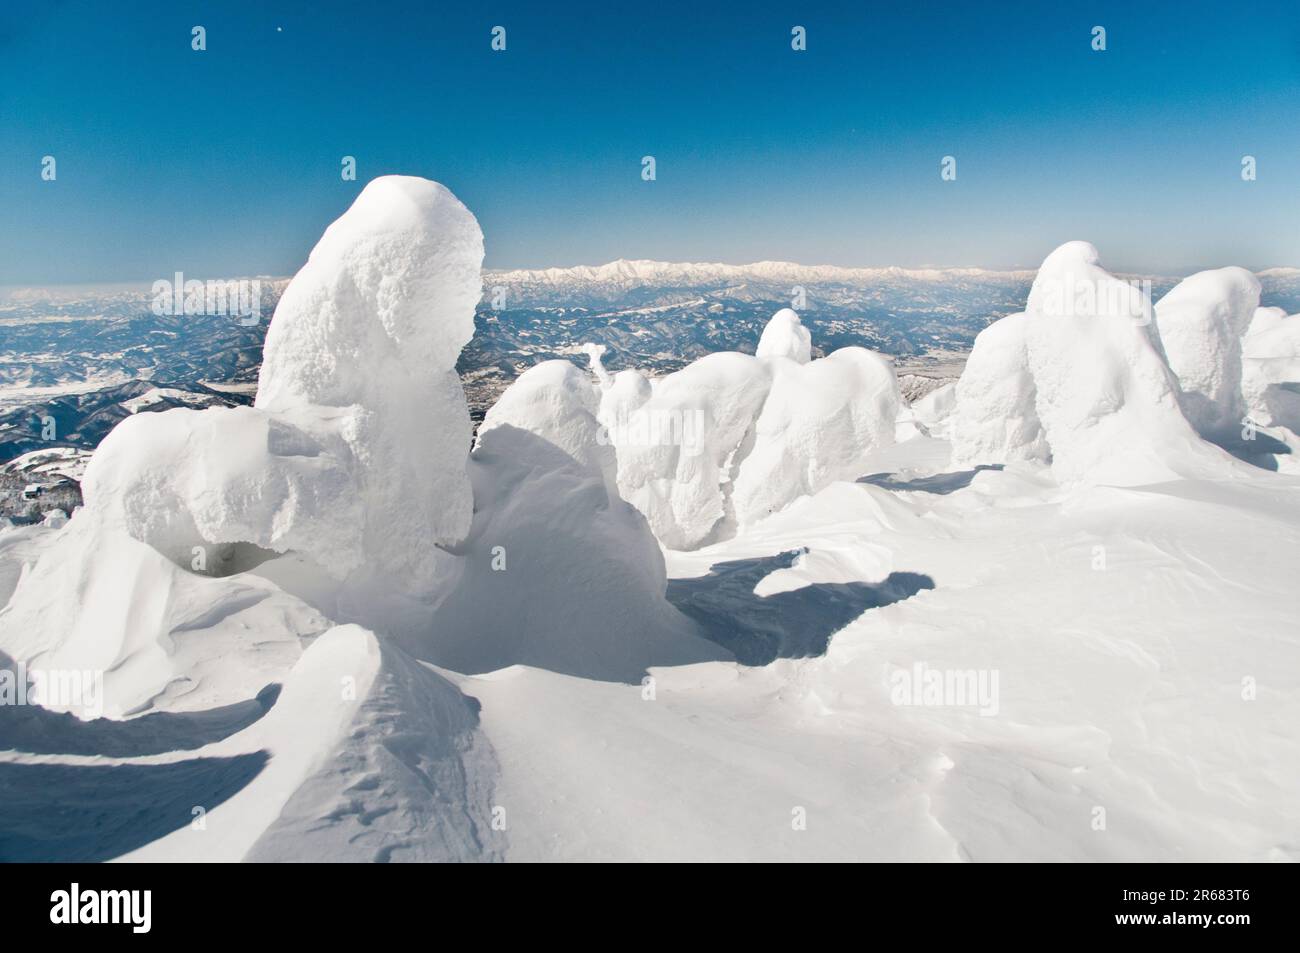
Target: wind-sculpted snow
(362, 352)
(328, 630)
(558, 403)
(393, 768)
(187, 479)
(98, 600)
(995, 418)
(677, 451)
(559, 573)
(353, 458)
(785, 336)
(1201, 322)
(1271, 369)
(1094, 377)
(731, 438)
(819, 423)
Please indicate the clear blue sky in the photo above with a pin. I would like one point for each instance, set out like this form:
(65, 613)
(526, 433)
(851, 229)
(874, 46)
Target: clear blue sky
(226, 162)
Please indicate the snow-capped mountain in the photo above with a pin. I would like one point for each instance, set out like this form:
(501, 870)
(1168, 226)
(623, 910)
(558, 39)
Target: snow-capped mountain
(616, 278)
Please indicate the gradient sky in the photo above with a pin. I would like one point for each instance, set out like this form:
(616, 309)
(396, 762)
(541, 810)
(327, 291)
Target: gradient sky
(226, 162)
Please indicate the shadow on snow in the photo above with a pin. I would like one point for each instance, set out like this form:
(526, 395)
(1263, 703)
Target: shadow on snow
(104, 811)
(941, 483)
(795, 624)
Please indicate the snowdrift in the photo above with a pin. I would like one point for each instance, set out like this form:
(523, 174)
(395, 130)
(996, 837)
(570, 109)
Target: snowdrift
(560, 573)
(368, 756)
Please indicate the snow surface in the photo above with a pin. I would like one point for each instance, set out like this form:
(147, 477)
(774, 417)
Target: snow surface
(1121, 688)
(694, 655)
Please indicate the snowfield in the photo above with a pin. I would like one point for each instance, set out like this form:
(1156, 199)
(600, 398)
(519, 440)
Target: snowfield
(760, 608)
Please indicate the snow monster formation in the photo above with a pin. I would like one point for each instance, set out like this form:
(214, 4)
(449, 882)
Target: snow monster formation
(1271, 370)
(329, 540)
(1080, 381)
(345, 495)
(353, 459)
(559, 571)
(995, 416)
(361, 355)
(718, 445)
(1202, 321)
(732, 438)
(679, 441)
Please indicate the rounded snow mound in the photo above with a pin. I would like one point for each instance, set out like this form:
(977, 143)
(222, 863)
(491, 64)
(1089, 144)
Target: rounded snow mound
(1271, 369)
(1071, 283)
(55, 519)
(1085, 361)
(183, 479)
(627, 391)
(390, 287)
(558, 403)
(818, 424)
(677, 449)
(559, 574)
(1202, 320)
(785, 336)
(995, 415)
(731, 438)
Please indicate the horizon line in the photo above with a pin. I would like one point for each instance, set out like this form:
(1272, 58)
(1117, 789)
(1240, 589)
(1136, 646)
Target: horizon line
(147, 283)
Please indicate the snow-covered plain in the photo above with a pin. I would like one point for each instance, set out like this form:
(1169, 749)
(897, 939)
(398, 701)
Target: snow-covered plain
(757, 609)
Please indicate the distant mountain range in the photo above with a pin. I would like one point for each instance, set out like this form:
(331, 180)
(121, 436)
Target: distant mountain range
(89, 356)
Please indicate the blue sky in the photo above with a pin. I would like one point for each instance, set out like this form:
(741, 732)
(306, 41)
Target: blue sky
(226, 162)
